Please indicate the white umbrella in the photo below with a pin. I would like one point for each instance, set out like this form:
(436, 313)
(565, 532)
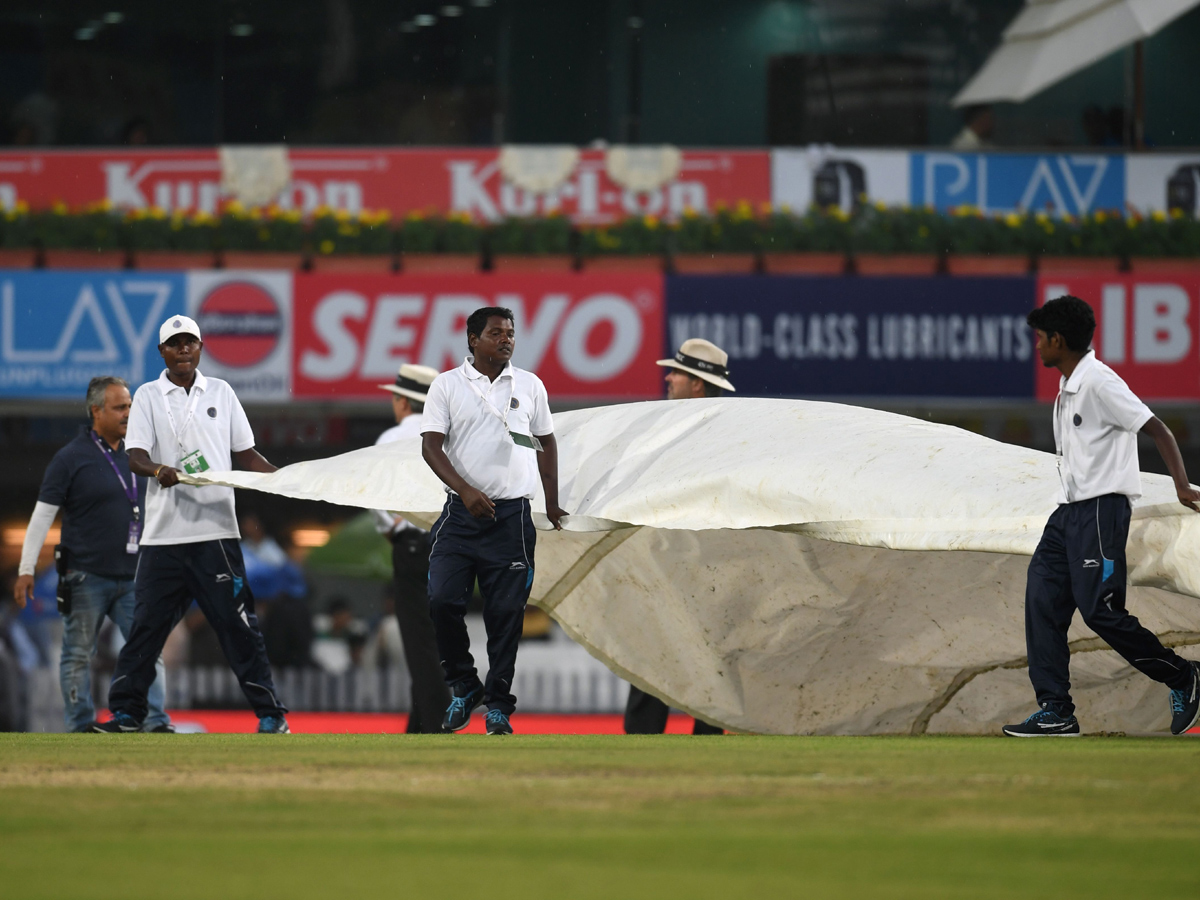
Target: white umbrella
(1051, 39)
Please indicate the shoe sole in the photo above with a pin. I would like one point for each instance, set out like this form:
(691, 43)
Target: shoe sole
(1018, 734)
(1187, 728)
(122, 731)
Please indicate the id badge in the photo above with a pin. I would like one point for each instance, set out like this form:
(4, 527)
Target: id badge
(194, 463)
(131, 545)
(525, 440)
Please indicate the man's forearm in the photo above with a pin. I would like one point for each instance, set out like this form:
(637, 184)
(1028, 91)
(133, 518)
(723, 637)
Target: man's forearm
(141, 464)
(548, 470)
(1168, 449)
(253, 461)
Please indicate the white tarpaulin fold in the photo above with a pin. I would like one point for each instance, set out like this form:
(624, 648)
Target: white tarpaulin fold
(753, 561)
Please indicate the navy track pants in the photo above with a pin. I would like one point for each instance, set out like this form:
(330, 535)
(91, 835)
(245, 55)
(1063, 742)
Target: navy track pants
(169, 577)
(1080, 564)
(499, 552)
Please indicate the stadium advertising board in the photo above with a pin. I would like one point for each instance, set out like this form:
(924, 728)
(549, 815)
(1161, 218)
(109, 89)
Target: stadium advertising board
(587, 337)
(999, 183)
(1146, 330)
(1164, 182)
(446, 180)
(58, 330)
(245, 318)
(866, 337)
(831, 176)
(467, 180)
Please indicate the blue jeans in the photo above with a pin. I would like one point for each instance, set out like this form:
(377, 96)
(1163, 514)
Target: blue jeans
(92, 598)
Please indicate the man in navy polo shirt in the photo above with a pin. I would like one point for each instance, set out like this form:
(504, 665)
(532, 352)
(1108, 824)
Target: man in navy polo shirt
(185, 421)
(487, 434)
(1080, 561)
(102, 503)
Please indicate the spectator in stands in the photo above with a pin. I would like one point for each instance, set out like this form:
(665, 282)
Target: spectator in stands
(699, 369)
(385, 648)
(256, 540)
(979, 124)
(102, 503)
(410, 565)
(340, 638)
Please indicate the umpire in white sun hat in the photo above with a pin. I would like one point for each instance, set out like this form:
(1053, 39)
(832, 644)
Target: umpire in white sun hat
(699, 369)
(412, 381)
(410, 565)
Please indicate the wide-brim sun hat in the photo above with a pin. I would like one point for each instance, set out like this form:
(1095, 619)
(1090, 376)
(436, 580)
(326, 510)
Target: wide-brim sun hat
(703, 359)
(412, 381)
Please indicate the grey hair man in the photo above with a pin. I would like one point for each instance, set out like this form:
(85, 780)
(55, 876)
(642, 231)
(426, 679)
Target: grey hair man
(101, 501)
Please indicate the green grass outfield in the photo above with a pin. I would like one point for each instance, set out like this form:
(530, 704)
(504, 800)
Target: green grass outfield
(218, 817)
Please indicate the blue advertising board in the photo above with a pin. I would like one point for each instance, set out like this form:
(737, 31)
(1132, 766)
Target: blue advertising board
(1000, 183)
(808, 336)
(60, 329)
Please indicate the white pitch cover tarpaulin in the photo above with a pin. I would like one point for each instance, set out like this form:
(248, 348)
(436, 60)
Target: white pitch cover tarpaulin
(794, 567)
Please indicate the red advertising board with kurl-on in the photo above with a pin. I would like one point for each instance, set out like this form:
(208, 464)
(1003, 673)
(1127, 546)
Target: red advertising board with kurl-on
(434, 180)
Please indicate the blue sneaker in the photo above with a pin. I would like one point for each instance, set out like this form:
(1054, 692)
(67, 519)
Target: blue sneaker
(458, 714)
(120, 723)
(1045, 723)
(273, 725)
(1185, 704)
(497, 722)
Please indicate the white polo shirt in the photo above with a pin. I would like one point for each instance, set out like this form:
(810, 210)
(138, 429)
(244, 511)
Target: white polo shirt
(1096, 421)
(170, 423)
(472, 412)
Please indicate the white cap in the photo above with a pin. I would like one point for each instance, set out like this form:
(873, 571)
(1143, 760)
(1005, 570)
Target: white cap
(177, 325)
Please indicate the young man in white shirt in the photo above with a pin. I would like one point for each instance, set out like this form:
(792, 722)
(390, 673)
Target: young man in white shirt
(410, 565)
(1080, 561)
(190, 550)
(489, 437)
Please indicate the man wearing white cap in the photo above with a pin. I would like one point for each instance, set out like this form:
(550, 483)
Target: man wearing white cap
(410, 565)
(185, 421)
(698, 369)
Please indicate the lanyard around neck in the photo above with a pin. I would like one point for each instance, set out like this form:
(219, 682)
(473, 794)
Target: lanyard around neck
(193, 399)
(130, 488)
(487, 403)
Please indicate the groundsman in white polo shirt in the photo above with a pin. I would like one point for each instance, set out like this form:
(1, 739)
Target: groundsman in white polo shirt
(487, 434)
(190, 551)
(1080, 561)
